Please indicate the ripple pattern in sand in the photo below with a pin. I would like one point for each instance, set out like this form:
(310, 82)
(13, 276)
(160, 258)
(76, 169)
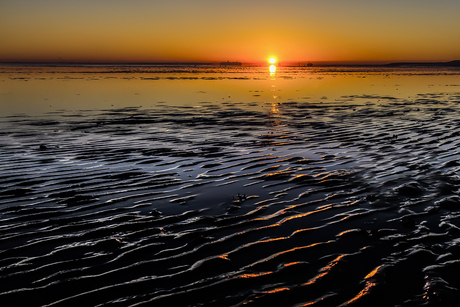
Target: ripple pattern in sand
(351, 202)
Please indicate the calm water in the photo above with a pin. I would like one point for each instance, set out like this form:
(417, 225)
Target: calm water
(184, 186)
(40, 90)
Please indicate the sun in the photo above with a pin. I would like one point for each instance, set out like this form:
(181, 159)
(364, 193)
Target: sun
(272, 60)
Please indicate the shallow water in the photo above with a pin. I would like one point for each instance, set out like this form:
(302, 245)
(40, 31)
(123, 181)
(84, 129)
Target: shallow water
(212, 187)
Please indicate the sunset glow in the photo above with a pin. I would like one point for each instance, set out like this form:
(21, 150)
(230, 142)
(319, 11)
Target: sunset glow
(272, 60)
(204, 31)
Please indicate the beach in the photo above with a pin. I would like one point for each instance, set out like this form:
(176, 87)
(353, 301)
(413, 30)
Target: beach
(210, 186)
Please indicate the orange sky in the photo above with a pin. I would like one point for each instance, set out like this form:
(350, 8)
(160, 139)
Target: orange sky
(248, 31)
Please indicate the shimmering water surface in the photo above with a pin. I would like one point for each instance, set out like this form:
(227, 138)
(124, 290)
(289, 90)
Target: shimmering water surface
(186, 186)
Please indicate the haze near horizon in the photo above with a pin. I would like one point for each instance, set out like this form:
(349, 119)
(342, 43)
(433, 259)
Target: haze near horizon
(213, 31)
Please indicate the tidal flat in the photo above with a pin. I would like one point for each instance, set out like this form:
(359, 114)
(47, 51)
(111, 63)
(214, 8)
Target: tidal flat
(210, 186)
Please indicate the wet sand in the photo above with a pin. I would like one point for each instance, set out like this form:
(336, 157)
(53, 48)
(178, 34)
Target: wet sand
(284, 202)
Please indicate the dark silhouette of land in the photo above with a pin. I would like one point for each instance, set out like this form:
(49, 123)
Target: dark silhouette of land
(63, 64)
(455, 63)
(228, 63)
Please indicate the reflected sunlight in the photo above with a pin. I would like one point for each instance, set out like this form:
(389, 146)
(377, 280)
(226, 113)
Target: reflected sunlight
(272, 69)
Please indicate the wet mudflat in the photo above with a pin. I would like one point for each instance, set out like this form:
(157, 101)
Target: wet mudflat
(351, 200)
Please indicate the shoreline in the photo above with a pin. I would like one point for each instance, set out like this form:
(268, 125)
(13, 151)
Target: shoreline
(454, 63)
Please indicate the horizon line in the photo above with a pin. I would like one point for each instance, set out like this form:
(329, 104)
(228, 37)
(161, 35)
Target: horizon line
(249, 63)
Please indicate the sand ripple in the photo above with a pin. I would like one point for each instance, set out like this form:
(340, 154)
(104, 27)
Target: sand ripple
(319, 204)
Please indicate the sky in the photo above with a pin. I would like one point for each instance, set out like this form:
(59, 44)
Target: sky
(249, 31)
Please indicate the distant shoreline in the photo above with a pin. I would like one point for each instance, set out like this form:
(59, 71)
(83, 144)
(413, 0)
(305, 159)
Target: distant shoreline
(83, 64)
(455, 63)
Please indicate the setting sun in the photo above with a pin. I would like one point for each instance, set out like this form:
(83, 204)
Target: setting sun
(272, 60)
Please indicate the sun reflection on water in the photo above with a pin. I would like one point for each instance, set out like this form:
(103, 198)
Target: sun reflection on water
(272, 70)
